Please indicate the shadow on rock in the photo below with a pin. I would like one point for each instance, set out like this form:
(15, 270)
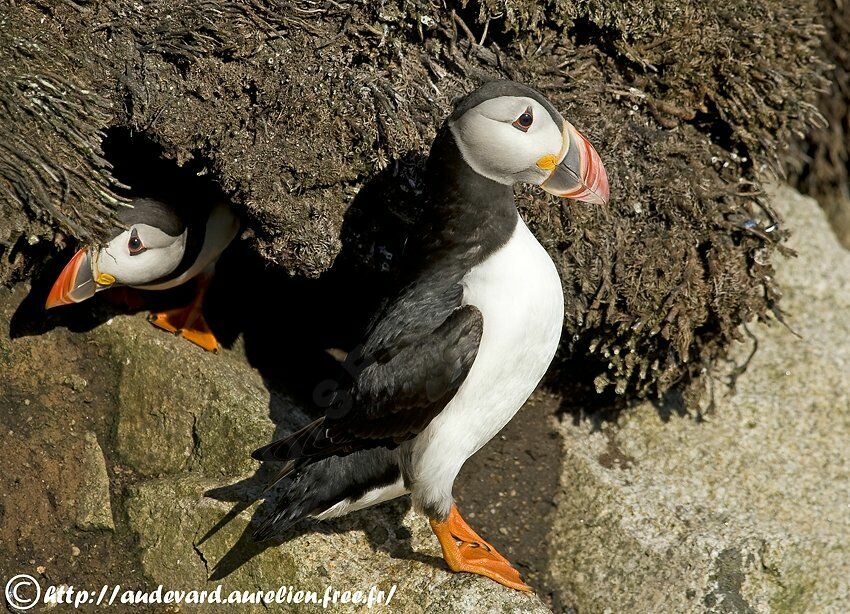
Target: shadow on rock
(297, 331)
(397, 544)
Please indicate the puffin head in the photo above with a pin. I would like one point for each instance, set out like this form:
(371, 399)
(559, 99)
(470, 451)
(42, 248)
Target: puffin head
(148, 246)
(510, 133)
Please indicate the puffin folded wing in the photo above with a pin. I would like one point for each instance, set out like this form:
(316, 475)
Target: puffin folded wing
(395, 400)
(391, 400)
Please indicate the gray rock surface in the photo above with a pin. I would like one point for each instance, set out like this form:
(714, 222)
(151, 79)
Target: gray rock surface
(746, 510)
(179, 409)
(193, 431)
(94, 507)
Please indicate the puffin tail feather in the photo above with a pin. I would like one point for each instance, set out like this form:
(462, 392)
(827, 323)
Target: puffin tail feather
(288, 468)
(296, 503)
(305, 444)
(320, 486)
(278, 522)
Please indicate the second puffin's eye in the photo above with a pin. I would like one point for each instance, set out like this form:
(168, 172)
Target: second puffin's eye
(135, 245)
(524, 121)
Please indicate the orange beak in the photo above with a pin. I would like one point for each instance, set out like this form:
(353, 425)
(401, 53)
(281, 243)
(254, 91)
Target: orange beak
(75, 282)
(579, 174)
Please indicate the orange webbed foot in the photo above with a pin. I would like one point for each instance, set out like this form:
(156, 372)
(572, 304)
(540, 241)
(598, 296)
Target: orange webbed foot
(182, 322)
(464, 550)
(188, 322)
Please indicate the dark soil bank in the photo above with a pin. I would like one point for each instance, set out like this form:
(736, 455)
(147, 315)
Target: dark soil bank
(313, 119)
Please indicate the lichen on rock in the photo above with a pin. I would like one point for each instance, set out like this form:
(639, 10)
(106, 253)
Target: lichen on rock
(179, 411)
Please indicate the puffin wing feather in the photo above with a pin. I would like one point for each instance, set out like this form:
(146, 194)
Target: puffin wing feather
(395, 400)
(409, 375)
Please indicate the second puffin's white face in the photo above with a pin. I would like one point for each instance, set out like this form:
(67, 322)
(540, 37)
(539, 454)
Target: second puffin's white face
(509, 139)
(140, 255)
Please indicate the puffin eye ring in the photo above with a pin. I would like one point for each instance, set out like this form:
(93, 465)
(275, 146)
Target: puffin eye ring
(524, 121)
(135, 245)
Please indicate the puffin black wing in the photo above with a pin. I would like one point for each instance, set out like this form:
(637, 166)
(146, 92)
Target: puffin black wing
(396, 398)
(409, 375)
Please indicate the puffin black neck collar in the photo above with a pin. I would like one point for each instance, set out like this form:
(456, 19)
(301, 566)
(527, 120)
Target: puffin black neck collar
(469, 216)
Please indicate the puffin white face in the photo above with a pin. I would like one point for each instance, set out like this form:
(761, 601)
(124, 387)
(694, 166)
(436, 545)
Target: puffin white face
(138, 256)
(503, 138)
(515, 138)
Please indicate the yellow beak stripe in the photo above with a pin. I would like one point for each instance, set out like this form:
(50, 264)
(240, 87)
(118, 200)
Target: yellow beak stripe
(547, 162)
(105, 279)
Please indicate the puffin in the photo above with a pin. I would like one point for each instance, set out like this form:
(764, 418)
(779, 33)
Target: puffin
(453, 355)
(155, 247)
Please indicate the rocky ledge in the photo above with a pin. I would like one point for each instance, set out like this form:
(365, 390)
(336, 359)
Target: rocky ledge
(743, 508)
(129, 452)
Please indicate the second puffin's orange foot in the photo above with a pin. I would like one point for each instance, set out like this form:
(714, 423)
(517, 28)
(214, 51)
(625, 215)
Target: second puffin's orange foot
(204, 339)
(191, 326)
(161, 320)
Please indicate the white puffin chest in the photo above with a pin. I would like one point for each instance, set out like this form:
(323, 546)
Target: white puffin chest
(518, 291)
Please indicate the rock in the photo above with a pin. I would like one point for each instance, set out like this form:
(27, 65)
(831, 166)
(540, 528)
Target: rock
(193, 430)
(94, 509)
(180, 408)
(747, 509)
(388, 546)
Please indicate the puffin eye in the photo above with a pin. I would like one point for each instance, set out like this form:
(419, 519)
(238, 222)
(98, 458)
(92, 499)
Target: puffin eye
(524, 121)
(135, 245)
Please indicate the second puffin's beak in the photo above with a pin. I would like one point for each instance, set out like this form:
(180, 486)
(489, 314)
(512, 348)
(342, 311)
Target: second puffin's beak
(76, 282)
(577, 173)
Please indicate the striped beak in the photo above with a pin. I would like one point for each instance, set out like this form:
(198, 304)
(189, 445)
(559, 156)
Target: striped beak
(579, 174)
(75, 282)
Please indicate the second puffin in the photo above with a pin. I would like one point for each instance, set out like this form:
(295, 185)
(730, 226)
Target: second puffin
(156, 247)
(455, 354)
